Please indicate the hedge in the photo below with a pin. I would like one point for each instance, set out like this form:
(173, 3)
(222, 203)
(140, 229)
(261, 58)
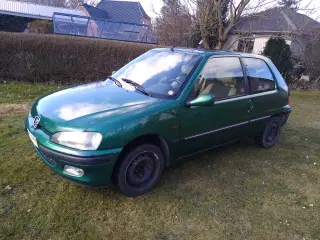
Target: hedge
(40, 26)
(62, 59)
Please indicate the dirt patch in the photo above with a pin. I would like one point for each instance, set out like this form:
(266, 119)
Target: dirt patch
(14, 109)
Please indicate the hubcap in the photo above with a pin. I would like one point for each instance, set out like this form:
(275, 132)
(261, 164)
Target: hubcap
(142, 170)
(272, 133)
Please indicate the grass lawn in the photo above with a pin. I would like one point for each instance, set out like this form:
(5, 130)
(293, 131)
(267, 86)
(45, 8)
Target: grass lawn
(235, 192)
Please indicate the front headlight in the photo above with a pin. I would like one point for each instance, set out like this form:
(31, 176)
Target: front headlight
(78, 140)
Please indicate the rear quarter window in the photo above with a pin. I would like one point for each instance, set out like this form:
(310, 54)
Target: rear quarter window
(259, 75)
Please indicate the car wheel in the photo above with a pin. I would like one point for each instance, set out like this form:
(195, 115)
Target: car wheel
(140, 170)
(284, 118)
(271, 133)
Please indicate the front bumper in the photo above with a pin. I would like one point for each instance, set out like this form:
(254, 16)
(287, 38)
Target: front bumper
(287, 111)
(97, 165)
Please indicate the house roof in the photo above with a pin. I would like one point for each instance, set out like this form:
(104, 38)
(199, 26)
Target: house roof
(122, 11)
(30, 10)
(95, 12)
(276, 20)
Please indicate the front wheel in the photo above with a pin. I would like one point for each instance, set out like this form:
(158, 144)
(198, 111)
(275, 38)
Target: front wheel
(140, 170)
(271, 133)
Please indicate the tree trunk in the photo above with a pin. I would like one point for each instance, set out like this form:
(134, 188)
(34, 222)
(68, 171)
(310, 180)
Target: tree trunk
(206, 44)
(220, 44)
(220, 35)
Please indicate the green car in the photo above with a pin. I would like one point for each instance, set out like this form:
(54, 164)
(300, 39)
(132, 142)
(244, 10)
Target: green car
(161, 107)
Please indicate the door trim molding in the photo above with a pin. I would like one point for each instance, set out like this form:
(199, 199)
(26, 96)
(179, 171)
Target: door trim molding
(217, 130)
(259, 119)
(227, 127)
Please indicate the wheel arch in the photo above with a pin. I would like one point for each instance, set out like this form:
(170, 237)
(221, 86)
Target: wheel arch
(154, 139)
(283, 117)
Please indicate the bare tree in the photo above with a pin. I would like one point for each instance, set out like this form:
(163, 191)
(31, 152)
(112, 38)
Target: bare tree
(216, 18)
(292, 4)
(221, 15)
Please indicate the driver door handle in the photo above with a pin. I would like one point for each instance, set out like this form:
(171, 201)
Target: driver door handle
(250, 106)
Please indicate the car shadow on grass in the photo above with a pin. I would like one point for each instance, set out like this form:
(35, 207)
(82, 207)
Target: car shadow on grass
(231, 166)
(200, 167)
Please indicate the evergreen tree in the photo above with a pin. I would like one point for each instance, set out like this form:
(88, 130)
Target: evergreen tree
(174, 25)
(10, 23)
(280, 53)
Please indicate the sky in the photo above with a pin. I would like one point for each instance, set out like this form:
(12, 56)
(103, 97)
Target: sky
(147, 5)
(152, 7)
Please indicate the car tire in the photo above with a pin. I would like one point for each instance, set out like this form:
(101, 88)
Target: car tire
(140, 170)
(284, 118)
(271, 133)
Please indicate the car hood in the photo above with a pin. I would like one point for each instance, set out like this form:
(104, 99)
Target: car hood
(83, 106)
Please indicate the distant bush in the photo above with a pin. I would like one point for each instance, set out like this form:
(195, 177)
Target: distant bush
(280, 53)
(40, 26)
(62, 59)
(312, 59)
(10, 23)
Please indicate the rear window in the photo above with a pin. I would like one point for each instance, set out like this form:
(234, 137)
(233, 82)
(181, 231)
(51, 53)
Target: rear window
(259, 75)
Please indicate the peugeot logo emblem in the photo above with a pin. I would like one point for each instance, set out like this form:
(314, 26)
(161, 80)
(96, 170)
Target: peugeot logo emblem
(36, 122)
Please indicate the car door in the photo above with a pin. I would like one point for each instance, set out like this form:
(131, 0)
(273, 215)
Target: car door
(264, 97)
(203, 127)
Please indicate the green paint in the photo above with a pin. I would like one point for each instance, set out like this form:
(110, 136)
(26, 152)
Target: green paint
(122, 116)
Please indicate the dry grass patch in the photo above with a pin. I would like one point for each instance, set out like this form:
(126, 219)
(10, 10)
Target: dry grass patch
(14, 109)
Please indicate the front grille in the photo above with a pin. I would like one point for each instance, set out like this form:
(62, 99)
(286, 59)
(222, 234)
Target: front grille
(48, 158)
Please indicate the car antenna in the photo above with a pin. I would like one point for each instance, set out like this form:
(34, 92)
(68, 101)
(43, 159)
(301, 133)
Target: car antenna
(177, 44)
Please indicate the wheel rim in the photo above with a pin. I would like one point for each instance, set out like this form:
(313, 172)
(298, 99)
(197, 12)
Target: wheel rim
(142, 171)
(272, 133)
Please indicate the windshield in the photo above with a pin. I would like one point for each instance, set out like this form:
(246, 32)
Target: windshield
(160, 73)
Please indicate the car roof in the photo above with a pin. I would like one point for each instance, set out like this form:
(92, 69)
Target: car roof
(209, 53)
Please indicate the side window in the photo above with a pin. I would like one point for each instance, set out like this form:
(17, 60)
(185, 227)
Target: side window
(222, 77)
(259, 75)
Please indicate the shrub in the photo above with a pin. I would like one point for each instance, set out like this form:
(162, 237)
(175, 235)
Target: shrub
(279, 52)
(312, 60)
(62, 59)
(13, 23)
(40, 26)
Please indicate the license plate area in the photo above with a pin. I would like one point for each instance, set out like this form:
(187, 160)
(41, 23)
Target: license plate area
(33, 139)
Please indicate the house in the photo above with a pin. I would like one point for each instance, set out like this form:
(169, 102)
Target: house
(251, 33)
(25, 12)
(117, 20)
(110, 19)
(119, 11)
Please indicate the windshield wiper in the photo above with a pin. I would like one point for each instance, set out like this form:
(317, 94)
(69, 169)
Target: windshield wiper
(116, 81)
(137, 86)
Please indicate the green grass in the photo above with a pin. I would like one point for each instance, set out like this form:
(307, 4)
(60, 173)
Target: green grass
(238, 191)
(25, 92)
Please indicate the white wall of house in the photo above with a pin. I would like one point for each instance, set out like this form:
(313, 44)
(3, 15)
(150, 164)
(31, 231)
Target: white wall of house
(232, 43)
(260, 42)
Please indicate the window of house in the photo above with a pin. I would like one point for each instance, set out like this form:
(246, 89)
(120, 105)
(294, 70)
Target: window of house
(259, 75)
(223, 77)
(245, 45)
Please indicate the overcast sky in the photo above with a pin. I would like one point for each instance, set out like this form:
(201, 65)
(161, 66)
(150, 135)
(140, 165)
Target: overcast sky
(147, 5)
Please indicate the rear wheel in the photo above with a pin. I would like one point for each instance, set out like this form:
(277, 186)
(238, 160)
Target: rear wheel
(271, 133)
(140, 170)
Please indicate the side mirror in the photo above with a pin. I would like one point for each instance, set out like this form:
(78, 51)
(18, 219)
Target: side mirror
(203, 100)
(113, 72)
